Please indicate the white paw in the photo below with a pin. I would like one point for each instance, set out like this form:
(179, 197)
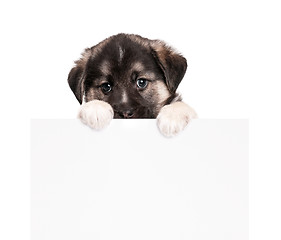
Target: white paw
(174, 117)
(96, 114)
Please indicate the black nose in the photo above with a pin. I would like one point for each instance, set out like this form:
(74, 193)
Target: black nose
(126, 114)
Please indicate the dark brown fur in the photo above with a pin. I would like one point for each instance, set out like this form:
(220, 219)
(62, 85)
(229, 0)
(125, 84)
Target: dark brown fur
(121, 61)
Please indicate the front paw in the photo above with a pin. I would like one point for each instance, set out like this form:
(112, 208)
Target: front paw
(174, 117)
(96, 114)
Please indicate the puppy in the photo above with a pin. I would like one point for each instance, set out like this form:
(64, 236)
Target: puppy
(128, 76)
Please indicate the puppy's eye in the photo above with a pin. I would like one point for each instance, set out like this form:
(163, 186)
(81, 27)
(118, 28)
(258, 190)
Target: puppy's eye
(106, 87)
(142, 83)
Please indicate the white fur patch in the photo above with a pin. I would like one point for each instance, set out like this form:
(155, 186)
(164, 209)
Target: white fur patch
(96, 114)
(174, 117)
(121, 54)
(124, 97)
(138, 66)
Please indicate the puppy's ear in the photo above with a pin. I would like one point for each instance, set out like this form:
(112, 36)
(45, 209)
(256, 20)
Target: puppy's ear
(172, 64)
(76, 76)
(75, 82)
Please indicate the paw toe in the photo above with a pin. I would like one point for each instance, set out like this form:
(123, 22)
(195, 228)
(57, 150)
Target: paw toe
(96, 114)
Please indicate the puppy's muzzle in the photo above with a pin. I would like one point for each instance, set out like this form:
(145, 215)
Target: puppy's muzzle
(126, 114)
(131, 111)
(124, 110)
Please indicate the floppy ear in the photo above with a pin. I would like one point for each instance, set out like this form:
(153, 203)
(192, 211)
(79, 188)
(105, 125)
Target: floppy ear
(77, 75)
(172, 64)
(75, 82)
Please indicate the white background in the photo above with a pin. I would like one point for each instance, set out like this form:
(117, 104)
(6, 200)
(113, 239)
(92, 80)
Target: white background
(233, 51)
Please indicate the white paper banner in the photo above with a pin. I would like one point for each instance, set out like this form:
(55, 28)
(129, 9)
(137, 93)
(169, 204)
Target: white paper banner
(129, 182)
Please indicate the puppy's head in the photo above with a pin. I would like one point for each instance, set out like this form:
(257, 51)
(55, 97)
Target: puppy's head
(135, 75)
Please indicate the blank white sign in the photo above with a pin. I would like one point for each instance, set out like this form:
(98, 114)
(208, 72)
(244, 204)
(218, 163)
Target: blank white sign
(129, 182)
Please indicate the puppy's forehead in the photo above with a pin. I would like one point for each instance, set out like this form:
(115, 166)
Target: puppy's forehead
(125, 62)
(121, 53)
(122, 58)
(135, 67)
(121, 49)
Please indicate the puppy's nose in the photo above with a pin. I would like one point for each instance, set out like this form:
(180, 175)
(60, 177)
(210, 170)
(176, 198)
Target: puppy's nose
(127, 114)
